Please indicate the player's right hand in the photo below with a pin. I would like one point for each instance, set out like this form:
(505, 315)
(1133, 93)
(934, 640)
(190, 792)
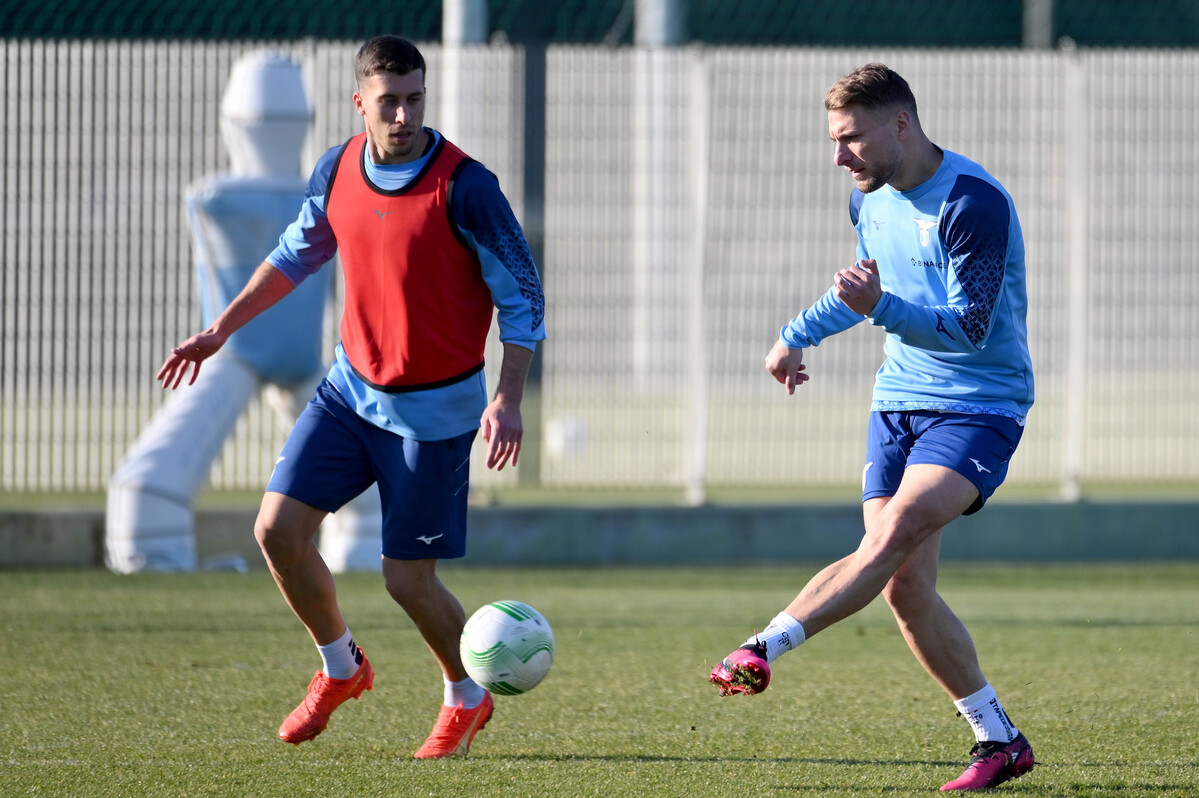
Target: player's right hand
(194, 351)
(786, 365)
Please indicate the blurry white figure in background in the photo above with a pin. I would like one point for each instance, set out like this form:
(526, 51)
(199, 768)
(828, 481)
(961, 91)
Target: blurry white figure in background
(565, 438)
(236, 219)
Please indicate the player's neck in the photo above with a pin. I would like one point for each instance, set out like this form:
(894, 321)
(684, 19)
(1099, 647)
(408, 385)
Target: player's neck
(925, 161)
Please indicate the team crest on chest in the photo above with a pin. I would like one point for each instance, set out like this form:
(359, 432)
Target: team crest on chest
(925, 226)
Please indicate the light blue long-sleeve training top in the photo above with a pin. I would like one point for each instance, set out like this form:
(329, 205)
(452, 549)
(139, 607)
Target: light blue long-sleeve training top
(950, 258)
(485, 219)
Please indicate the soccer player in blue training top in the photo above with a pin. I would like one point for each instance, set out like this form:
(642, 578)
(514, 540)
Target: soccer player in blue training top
(941, 271)
(429, 248)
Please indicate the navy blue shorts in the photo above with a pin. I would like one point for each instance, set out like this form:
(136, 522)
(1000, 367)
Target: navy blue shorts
(977, 446)
(333, 454)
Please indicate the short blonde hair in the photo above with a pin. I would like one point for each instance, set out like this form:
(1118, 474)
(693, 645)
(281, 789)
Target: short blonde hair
(873, 86)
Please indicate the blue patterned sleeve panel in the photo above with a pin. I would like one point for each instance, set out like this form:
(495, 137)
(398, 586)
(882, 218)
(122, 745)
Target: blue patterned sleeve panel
(975, 230)
(485, 218)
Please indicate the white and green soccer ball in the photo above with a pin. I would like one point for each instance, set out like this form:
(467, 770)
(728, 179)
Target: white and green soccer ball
(507, 647)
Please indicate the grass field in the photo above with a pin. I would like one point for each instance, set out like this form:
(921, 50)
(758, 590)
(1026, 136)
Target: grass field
(175, 685)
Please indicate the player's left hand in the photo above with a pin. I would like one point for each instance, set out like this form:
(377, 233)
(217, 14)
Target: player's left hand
(503, 430)
(786, 365)
(859, 286)
(189, 354)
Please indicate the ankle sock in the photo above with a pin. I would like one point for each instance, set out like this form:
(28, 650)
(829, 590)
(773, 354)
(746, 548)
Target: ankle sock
(782, 634)
(466, 692)
(986, 716)
(341, 658)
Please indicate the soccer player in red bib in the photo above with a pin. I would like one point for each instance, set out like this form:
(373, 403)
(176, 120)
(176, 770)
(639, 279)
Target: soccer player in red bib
(430, 250)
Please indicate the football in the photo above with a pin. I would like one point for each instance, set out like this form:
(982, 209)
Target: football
(507, 647)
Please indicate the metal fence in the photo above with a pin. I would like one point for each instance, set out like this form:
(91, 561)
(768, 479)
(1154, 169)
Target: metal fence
(690, 209)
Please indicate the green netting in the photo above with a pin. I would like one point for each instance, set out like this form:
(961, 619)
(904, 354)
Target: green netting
(835, 23)
(563, 22)
(907, 23)
(216, 19)
(1118, 23)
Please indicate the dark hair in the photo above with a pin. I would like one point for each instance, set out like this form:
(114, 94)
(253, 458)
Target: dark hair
(388, 53)
(873, 86)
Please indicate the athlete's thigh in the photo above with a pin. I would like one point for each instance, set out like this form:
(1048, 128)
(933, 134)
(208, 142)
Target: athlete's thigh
(917, 575)
(978, 447)
(931, 496)
(288, 518)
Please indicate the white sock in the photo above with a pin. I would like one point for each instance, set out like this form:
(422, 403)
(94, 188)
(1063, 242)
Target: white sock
(466, 692)
(986, 716)
(341, 657)
(782, 634)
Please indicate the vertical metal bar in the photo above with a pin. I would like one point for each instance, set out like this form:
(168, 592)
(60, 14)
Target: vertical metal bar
(53, 267)
(8, 273)
(699, 134)
(1077, 198)
(104, 274)
(659, 23)
(37, 258)
(533, 223)
(1038, 24)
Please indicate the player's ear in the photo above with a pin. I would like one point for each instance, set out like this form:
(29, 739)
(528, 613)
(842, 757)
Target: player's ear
(903, 124)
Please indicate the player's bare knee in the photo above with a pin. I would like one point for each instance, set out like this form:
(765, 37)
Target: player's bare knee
(277, 542)
(900, 532)
(407, 584)
(265, 536)
(908, 594)
(887, 546)
(397, 588)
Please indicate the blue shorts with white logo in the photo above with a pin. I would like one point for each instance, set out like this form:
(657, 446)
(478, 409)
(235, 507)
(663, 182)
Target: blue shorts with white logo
(333, 454)
(977, 446)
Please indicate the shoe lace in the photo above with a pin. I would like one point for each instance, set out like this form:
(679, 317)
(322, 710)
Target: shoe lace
(985, 749)
(321, 693)
(316, 691)
(450, 727)
(758, 647)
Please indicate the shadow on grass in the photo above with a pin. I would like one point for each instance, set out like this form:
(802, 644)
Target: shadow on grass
(719, 760)
(1025, 784)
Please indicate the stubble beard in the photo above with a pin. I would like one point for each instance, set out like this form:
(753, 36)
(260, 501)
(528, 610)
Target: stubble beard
(869, 184)
(876, 178)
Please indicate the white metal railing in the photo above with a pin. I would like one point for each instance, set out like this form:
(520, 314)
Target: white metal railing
(691, 208)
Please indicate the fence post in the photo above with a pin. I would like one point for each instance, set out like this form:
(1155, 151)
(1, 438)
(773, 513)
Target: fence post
(1078, 133)
(699, 135)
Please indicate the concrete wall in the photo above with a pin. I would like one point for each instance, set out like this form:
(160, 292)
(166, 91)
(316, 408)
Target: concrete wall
(683, 536)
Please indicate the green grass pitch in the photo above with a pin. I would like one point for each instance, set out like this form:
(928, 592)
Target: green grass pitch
(165, 686)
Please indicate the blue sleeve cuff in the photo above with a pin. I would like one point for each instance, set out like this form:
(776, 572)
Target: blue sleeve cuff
(790, 340)
(531, 345)
(878, 316)
(290, 270)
